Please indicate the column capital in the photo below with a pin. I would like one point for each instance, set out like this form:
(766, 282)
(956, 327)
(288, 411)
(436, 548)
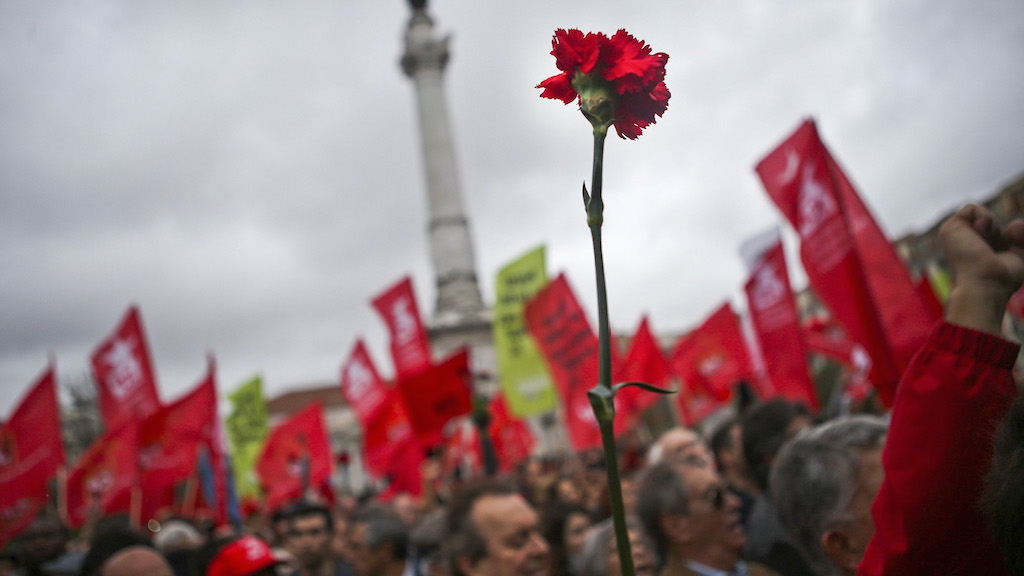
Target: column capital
(423, 51)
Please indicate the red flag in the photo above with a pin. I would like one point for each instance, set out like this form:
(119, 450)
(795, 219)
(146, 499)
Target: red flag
(105, 475)
(847, 258)
(906, 318)
(294, 447)
(713, 355)
(17, 513)
(390, 447)
(410, 348)
(512, 438)
(124, 374)
(694, 402)
(829, 340)
(776, 320)
(462, 449)
(361, 384)
(30, 454)
(436, 396)
(170, 440)
(644, 363)
(936, 310)
(557, 323)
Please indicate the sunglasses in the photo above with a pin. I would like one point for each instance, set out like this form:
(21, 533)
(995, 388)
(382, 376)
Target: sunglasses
(716, 497)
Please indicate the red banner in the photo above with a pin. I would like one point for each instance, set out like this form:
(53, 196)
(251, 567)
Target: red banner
(436, 396)
(294, 447)
(31, 451)
(390, 447)
(644, 362)
(931, 300)
(124, 374)
(512, 438)
(361, 384)
(17, 513)
(104, 476)
(713, 355)
(906, 318)
(694, 402)
(410, 347)
(169, 443)
(558, 325)
(848, 260)
(776, 321)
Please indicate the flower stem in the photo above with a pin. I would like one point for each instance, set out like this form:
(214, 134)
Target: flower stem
(602, 398)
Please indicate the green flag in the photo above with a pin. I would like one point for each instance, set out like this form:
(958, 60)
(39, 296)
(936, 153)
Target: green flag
(246, 428)
(524, 374)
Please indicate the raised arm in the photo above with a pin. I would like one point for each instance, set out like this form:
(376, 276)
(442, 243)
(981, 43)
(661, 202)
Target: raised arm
(939, 447)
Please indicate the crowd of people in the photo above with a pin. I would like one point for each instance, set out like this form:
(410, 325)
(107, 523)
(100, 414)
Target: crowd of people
(935, 486)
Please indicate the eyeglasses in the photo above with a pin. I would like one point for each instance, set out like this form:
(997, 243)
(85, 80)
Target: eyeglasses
(716, 496)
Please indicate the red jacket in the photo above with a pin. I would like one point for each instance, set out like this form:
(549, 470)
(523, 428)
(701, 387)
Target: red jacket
(938, 450)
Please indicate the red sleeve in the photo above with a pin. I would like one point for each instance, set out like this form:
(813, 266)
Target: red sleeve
(938, 450)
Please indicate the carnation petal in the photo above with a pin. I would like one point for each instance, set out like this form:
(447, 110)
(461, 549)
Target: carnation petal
(558, 87)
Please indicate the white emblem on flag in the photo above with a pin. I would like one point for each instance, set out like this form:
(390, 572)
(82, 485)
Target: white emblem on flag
(358, 378)
(789, 172)
(815, 203)
(125, 370)
(768, 288)
(405, 321)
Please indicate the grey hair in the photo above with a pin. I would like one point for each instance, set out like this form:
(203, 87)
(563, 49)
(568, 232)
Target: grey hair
(815, 476)
(594, 555)
(384, 526)
(660, 492)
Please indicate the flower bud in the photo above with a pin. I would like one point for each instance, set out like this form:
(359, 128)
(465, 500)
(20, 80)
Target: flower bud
(597, 99)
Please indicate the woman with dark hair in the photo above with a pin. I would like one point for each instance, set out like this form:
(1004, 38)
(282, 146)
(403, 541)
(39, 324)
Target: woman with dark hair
(565, 527)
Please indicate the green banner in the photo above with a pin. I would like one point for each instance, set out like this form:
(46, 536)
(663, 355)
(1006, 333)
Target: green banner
(246, 429)
(524, 374)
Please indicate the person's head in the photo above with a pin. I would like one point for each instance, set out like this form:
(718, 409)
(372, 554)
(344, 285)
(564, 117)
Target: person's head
(310, 531)
(726, 445)
(1003, 496)
(425, 542)
(44, 540)
(690, 513)
(491, 530)
(678, 445)
(565, 527)
(405, 506)
(136, 560)
(565, 490)
(177, 535)
(245, 556)
(823, 482)
(766, 427)
(600, 554)
(107, 541)
(378, 541)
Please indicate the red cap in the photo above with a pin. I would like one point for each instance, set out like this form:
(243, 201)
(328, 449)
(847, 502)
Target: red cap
(242, 557)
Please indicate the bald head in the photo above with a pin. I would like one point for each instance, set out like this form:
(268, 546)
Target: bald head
(679, 445)
(136, 560)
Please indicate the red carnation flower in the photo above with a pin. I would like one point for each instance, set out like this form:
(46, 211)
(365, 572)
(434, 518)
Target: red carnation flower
(616, 81)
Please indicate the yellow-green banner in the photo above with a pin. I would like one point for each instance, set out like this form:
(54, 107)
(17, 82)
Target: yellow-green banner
(524, 375)
(246, 430)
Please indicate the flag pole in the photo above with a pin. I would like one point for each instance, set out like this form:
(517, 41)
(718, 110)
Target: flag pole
(188, 507)
(136, 506)
(62, 494)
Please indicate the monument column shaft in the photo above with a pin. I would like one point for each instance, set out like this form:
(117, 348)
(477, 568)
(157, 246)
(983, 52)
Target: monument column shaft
(451, 247)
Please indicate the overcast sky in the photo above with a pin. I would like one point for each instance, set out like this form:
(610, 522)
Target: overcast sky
(249, 173)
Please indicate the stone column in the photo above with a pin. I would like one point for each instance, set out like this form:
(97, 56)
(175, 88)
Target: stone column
(451, 249)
